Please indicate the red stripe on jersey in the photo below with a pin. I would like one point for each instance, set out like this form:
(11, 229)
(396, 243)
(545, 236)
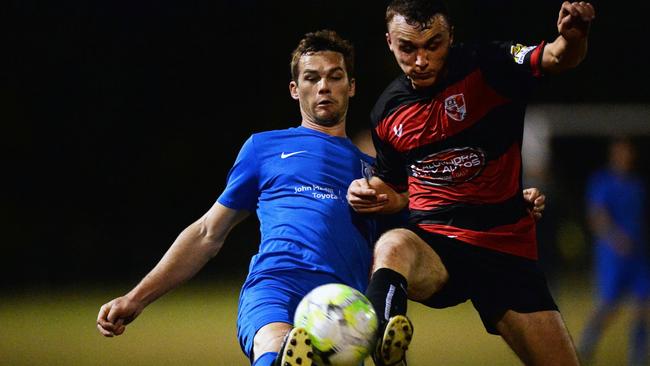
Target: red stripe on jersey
(517, 239)
(535, 60)
(456, 108)
(497, 182)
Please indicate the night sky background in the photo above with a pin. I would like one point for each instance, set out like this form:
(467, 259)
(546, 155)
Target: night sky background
(121, 119)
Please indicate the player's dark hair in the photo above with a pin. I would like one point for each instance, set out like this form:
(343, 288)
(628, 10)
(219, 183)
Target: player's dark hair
(323, 40)
(417, 12)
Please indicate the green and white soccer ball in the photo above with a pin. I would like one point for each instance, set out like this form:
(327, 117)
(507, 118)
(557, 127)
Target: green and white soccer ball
(341, 323)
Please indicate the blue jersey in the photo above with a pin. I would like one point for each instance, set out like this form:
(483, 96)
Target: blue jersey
(296, 180)
(623, 197)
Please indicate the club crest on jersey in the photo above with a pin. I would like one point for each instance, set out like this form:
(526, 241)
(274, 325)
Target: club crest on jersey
(451, 166)
(455, 107)
(398, 130)
(519, 52)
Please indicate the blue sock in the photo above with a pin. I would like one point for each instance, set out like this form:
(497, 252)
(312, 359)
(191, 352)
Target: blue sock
(638, 344)
(590, 336)
(266, 359)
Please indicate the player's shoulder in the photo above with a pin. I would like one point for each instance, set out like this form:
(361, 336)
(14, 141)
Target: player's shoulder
(264, 137)
(398, 93)
(486, 52)
(511, 53)
(270, 134)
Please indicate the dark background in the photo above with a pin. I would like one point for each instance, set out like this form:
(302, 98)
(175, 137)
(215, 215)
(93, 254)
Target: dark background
(121, 119)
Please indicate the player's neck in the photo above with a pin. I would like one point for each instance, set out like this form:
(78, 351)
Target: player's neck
(336, 130)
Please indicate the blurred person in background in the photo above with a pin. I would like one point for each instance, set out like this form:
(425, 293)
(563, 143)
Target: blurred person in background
(616, 199)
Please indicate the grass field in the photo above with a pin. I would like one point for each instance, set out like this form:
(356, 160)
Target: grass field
(195, 325)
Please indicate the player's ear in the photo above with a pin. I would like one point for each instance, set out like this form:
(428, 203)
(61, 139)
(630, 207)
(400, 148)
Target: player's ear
(451, 35)
(353, 87)
(293, 89)
(388, 41)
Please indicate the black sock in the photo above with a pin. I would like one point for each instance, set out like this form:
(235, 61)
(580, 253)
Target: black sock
(387, 293)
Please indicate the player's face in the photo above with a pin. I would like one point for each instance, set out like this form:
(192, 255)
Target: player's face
(323, 88)
(621, 155)
(420, 52)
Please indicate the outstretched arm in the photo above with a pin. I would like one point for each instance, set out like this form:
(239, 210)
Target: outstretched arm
(570, 47)
(193, 248)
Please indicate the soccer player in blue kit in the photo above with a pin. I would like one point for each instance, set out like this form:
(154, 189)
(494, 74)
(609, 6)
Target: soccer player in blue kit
(616, 198)
(295, 180)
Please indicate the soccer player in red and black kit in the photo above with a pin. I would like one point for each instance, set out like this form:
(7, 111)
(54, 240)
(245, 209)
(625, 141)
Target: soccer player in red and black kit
(448, 135)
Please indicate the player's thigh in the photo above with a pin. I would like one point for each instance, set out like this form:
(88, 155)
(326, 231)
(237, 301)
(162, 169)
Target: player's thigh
(611, 272)
(269, 338)
(538, 338)
(263, 304)
(272, 298)
(405, 252)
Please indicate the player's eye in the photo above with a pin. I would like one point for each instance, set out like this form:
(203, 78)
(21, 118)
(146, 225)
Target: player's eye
(406, 48)
(433, 46)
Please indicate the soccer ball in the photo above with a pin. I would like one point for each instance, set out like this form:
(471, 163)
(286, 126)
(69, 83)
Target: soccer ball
(341, 324)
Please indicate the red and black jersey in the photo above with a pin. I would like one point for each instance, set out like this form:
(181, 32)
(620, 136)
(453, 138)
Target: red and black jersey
(456, 146)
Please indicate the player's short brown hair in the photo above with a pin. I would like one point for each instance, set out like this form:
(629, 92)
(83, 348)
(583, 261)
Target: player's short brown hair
(323, 40)
(417, 12)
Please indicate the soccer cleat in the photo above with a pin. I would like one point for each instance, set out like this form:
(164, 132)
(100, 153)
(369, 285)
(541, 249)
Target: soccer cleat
(296, 349)
(394, 342)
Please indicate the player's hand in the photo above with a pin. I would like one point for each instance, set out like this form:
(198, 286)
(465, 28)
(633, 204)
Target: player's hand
(621, 243)
(575, 19)
(116, 314)
(365, 199)
(537, 200)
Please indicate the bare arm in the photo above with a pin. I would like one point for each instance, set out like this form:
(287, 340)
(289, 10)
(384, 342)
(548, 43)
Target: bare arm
(191, 250)
(570, 47)
(375, 196)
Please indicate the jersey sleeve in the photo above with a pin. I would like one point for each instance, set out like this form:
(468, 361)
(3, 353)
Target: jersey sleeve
(512, 68)
(390, 165)
(242, 189)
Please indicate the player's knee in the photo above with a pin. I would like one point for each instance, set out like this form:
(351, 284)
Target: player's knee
(395, 245)
(269, 338)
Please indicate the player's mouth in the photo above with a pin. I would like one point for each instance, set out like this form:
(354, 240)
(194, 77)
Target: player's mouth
(325, 103)
(422, 75)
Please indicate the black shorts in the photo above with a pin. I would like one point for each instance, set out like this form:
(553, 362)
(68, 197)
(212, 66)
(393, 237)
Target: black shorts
(494, 281)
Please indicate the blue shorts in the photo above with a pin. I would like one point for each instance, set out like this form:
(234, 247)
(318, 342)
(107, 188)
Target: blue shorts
(273, 297)
(616, 274)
